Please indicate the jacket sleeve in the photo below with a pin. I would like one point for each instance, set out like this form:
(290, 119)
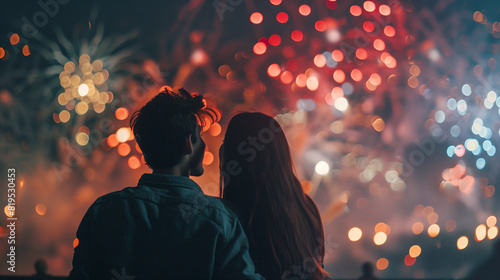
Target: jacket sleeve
(233, 258)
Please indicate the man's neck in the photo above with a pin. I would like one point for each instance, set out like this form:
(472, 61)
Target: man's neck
(176, 170)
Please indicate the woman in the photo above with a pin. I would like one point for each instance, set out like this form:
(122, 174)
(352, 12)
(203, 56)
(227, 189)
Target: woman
(281, 222)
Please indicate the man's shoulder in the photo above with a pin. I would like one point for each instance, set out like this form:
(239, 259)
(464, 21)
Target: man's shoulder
(198, 200)
(211, 205)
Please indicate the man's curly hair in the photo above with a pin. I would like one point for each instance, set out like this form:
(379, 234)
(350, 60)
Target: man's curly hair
(162, 126)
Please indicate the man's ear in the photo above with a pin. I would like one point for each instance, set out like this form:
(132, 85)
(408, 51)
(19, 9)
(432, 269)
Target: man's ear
(189, 145)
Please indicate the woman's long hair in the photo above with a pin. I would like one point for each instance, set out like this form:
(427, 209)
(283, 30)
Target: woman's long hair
(258, 177)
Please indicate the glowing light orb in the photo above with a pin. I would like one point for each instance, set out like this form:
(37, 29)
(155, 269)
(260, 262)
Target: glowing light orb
(355, 234)
(341, 104)
(322, 168)
(256, 18)
(415, 251)
(382, 263)
(83, 89)
(41, 209)
(462, 242)
(123, 134)
(380, 238)
(480, 232)
(433, 230)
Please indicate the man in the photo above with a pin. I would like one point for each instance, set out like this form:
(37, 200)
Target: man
(165, 228)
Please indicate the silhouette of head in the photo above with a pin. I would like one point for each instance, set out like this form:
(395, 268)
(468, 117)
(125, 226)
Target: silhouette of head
(165, 123)
(367, 268)
(41, 267)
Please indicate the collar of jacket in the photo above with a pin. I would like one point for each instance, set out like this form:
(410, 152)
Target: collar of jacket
(165, 181)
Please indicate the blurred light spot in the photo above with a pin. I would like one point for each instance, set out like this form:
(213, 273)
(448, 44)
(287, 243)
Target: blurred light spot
(134, 162)
(369, 6)
(478, 16)
(409, 261)
(331, 4)
(382, 263)
(382, 227)
(333, 36)
(339, 76)
(41, 209)
(307, 186)
(256, 18)
(462, 107)
(301, 80)
(275, 2)
(215, 129)
(433, 230)
(361, 54)
(274, 70)
(480, 232)
(312, 83)
(492, 232)
(452, 104)
(378, 124)
(417, 228)
(2, 53)
(337, 127)
(64, 116)
(462, 242)
(208, 158)
(347, 88)
(413, 82)
(286, 77)
(14, 39)
(259, 48)
(356, 75)
(379, 45)
(415, 251)
(121, 113)
(432, 218)
(223, 70)
(320, 25)
(304, 10)
(123, 149)
(375, 79)
(460, 150)
(380, 238)
(480, 163)
(319, 60)
(123, 134)
(322, 168)
(83, 89)
(282, 17)
(82, 138)
(384, 10)
(368, 26)
(26, 50)
(451, 225)
(389, 31)
(471, 144)
(355, 234)
(337, 55)
(491, 221)
(355, 10)
(274, 40)
(466, 90)
(341, 104)
(81, 108)
(297, 36)
(112, 141)
(455, 131)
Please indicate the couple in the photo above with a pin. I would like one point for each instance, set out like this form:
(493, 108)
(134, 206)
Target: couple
(264, 226)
